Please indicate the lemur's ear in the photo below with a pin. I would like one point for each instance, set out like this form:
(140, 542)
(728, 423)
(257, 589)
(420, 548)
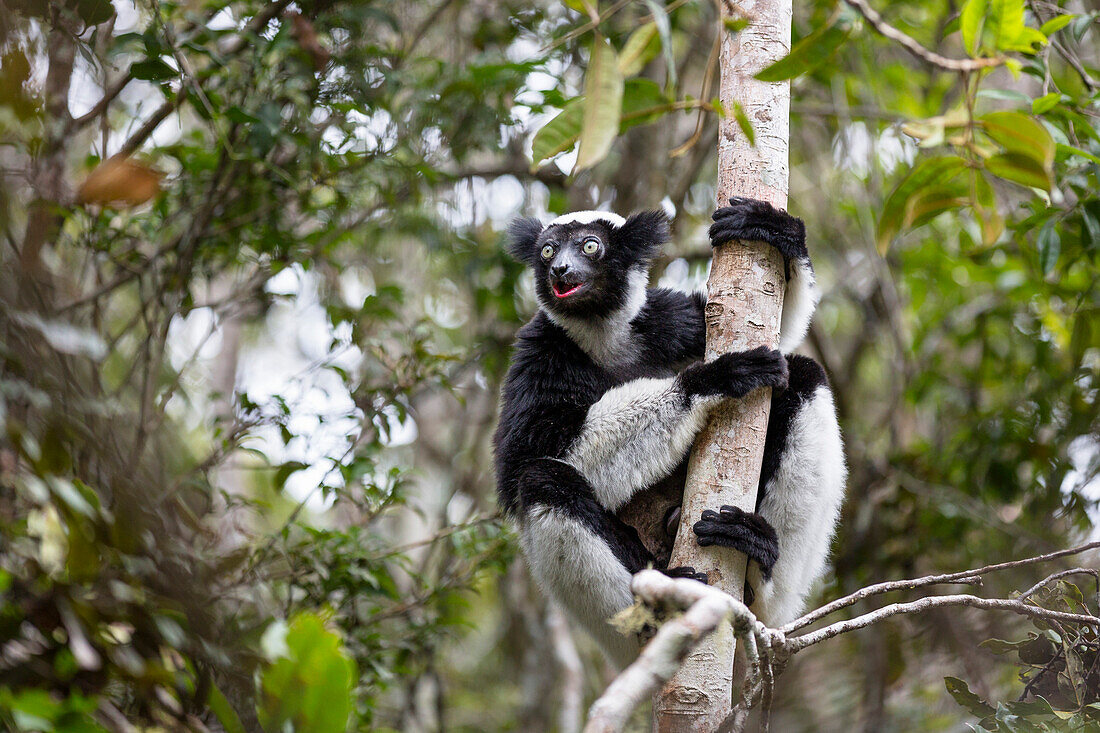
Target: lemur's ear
(523, 234)
(644, 233)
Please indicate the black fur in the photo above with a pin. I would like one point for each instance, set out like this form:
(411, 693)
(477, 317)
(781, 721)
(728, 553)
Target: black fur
(558, 485)
(759, 221)
(736, 374)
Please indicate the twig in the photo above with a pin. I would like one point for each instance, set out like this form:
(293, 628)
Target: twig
(912, 46)
(1055, 576)
(994, 604)
(967, 576)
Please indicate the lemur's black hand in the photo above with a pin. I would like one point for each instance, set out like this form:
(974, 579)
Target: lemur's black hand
(737, 373)
(749, 533)
(759, 221)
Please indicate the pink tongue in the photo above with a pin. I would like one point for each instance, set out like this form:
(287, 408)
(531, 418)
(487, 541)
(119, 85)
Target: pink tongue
(563, 293)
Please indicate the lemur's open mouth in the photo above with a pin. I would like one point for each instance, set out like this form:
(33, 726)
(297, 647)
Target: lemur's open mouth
(564, 290)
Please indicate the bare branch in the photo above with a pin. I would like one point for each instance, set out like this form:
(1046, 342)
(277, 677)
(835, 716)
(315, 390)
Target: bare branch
(912, 46)
(995, 604)
(971, 577)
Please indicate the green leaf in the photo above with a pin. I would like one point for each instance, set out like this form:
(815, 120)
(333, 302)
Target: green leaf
(1056, 24)
(1019, 169)
(970, 24)
(1021, 134)
(735, 25)
(311, 686)
(224, 712)
(94, 12)
(1045, 103)
(559, 134)
(152, 70)
(664, 30)
(643, 101)
(964, 697)
(1070, 150)
(639, 50)
(1005, 22)
(744, 123)
(809, 53)
(931, 181)
(1050, 246)
(603, 97)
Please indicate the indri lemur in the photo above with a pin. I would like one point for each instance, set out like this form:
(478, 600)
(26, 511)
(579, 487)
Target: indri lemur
(606, 393)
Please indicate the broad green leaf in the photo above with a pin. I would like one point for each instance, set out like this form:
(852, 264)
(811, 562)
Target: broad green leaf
(1056, 24)
(809, 53)
(1005, 22)
(744, 123)
(224, 712)
(1025, 41)
(1000, 646)
(639, 50)
(643, 102)
(310, 688)
(1019, 169)
(970, 24)
(559, 134)
(664, 30)
(1045, 103)
(927, 181)
(603, 98)
(963, 696)
(152, 70)
(1021, 134)
(94, 12)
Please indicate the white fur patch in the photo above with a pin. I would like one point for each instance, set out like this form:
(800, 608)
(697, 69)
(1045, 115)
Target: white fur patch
(635, 435)
(802, 503)
(799, 303)
(587, 217)
(579, 570)
(607, 339)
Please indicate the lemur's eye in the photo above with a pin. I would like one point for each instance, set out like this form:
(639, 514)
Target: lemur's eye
(591, 246)
(547, 252)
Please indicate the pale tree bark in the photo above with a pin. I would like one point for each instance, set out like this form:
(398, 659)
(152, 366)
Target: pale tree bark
(744, 307)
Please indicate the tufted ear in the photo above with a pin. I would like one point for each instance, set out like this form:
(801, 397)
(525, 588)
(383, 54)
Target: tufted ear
(643, 234)
(523, 235)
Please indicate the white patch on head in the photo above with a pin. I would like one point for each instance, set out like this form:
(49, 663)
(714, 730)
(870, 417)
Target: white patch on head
(802, 503)
(799, 303)
(587, 217)
(608, 338)
(635, 435)
(581, 572)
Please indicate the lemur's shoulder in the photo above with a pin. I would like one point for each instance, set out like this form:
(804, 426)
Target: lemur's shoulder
(670, 325)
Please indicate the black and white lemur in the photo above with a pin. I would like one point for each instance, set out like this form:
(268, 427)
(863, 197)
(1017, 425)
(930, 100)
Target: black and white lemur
(607, 391)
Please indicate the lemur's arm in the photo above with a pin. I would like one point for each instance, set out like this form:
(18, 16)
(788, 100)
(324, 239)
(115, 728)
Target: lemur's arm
(759, 221)
(638, 432)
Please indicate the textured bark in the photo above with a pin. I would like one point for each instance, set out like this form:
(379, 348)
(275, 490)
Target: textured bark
(744, 306)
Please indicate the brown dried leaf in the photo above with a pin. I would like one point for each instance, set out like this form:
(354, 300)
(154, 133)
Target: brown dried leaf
(120, 181)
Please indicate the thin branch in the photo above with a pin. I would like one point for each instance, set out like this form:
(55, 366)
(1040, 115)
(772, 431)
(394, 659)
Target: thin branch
(912, 46)
(1055, 576)
(923, 604)
(100, 107)
(966, 576)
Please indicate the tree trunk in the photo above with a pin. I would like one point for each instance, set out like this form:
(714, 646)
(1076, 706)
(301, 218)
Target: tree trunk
(744, 306)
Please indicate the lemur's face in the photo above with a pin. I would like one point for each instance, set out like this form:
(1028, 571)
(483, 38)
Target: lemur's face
(575, 273)
(585, 264)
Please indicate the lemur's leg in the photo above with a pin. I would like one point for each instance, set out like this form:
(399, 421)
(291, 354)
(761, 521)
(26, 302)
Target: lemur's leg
(801, 488)
(759, 221)
(638, 432)
(580, 553)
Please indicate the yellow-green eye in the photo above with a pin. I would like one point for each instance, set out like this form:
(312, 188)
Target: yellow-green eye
(547, 252)
(591, 246)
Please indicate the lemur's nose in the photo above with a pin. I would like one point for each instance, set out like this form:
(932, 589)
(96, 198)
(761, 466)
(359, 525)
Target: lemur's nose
(559, 270)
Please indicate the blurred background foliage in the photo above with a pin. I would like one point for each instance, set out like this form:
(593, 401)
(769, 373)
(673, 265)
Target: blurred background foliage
(254, 313)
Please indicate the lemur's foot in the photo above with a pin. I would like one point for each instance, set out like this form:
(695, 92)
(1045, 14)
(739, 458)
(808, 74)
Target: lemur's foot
(759, 221)
(735, 374)
(740, 530)
(686, 571)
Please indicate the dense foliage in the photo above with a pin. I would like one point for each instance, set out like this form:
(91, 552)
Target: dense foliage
(254, 312)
